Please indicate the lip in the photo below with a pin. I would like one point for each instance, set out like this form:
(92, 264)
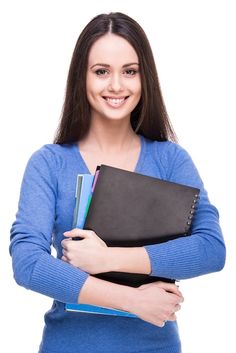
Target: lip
(115, 102)
(115, 97)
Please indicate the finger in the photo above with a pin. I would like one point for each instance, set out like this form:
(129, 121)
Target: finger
(77, 232)
(65, 259)
(177, 307)
(162, 324)
(177, 299)
(172, 317)
(65, 253)
(170, 287)
(181, 298)
(161, 285)
(65, 243)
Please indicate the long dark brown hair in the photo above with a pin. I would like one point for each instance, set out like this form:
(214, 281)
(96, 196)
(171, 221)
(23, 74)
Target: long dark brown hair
(149, 118)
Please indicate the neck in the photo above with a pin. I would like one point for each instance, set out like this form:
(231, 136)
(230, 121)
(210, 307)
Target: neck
(112, 136)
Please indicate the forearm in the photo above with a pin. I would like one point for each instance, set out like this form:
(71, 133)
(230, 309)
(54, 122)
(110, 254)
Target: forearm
(45, 274)
(133, 260)
(102, 293)
(185, 258)
(201, 253)
(154, 303)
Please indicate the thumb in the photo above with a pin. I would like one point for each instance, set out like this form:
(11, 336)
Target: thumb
(77, 232)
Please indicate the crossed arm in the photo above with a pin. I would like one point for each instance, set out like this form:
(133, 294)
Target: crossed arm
(155, 302)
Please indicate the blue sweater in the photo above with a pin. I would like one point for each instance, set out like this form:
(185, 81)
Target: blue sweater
(46, 210)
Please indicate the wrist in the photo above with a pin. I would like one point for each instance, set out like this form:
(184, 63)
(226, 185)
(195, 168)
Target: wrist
(110, 261)
(131, 259)
(130, 296)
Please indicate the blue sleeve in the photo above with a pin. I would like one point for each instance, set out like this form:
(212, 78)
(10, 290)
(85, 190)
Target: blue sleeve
(31, 235)
(204, 251)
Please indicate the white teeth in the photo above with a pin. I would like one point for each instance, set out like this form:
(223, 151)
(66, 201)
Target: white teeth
(115, 100)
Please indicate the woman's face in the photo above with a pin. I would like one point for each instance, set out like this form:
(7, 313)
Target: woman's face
(113, 80)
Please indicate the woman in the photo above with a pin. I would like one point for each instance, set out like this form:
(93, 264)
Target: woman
(113, 114)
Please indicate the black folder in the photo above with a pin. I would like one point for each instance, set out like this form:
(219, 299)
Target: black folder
(129, 209)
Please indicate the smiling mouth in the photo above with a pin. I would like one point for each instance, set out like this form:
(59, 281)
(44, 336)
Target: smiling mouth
(115, 102)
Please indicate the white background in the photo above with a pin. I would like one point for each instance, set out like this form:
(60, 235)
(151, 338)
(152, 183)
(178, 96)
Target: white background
(194, 47)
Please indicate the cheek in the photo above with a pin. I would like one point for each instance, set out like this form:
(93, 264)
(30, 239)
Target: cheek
(94, 86)
(135, 87)
(137, 93)
(94, 92)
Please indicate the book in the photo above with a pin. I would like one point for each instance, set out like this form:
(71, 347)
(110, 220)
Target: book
(94, 309)
(129, 209)
(83, 195)
(84, 189)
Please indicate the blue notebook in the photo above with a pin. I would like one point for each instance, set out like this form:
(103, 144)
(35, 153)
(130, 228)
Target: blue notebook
(83, 195)
(93, 309)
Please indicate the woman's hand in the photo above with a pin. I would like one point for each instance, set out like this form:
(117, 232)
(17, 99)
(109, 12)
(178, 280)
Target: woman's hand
(89, 254)
(156, 302)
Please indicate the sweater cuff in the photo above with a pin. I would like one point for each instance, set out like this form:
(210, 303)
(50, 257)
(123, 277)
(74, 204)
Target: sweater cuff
(61, 281)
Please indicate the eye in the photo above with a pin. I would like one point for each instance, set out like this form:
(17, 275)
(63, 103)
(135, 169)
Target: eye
(130, 72)
(101, 72)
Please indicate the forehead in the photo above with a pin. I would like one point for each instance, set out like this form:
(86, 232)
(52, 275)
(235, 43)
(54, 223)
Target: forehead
(112, 49)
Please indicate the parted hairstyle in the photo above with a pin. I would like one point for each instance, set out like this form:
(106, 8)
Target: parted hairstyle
(149, 118)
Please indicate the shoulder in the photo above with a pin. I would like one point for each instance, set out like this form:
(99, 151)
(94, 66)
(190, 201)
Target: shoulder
(164, 149)
(53, 155)
(54, 150)
(167, 155)
(168, 150)
(51, 158)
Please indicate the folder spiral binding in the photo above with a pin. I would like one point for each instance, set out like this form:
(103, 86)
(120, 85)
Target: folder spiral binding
(130, 209)
(191, 213)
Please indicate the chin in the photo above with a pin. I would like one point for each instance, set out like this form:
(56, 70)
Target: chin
(116, 117)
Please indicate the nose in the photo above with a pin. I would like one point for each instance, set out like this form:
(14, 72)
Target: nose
(115, 84)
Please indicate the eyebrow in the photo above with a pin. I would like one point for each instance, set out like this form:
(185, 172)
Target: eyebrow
(107, 65)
